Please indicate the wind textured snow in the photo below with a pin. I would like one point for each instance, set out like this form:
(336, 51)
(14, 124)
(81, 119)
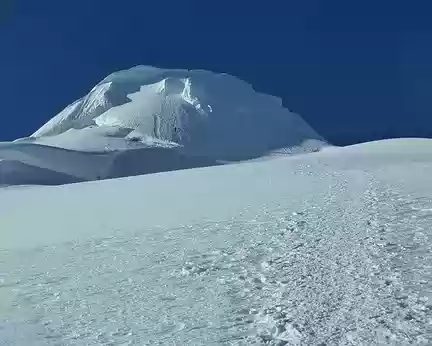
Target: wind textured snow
(192, 118)
(329, 248)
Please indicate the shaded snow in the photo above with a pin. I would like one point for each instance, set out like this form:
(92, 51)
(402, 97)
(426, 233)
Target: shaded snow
(26, 163)
(306, 250)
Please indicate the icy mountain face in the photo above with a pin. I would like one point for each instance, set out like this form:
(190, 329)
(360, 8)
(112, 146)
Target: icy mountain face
(203, 113)
(148, 120)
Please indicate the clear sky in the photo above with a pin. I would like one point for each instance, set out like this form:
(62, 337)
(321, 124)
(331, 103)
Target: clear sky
(355, 70)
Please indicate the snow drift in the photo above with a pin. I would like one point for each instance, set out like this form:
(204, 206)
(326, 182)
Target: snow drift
(154, 120)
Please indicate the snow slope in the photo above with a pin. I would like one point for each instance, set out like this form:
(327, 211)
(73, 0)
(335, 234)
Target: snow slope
(304, 250)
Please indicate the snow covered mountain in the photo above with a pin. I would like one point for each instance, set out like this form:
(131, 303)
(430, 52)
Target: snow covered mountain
(146, 120)
(206, 114)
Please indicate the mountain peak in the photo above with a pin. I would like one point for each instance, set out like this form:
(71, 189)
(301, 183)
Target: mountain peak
(204, 113)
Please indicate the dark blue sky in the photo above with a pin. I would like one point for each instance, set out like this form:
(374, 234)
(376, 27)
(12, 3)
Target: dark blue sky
(355, 70)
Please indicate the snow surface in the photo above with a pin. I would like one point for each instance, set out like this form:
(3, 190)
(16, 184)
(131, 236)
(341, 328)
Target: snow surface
(329, 248)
